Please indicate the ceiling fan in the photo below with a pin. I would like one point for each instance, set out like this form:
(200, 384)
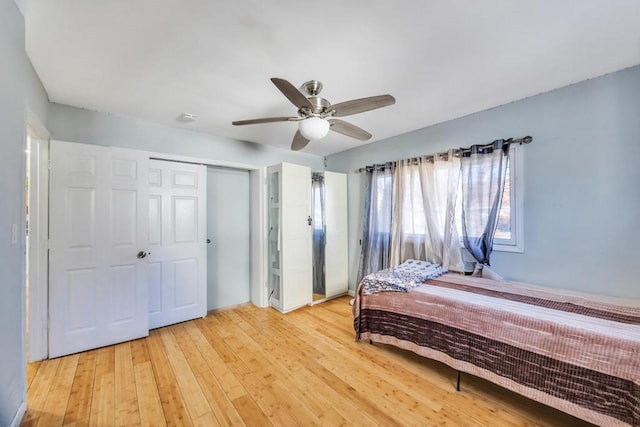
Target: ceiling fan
(315, 114)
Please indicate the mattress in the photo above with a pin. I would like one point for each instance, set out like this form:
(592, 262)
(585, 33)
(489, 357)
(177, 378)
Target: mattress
(574, 352)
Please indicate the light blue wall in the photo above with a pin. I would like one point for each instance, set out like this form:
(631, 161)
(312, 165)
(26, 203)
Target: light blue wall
(37, 98)
(78, 125)
(581, 182)
(19, 89)
(228, 227)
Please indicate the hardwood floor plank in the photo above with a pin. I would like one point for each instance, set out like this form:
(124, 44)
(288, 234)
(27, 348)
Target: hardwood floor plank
(103, 400)
(32, 369)
(139, 351)
(175, 412)
(250, 412)
(81, 396)
(194, 398)
(256, 366)
(127, 412)
(39, 390)
(149, 404)
(206, 420)
(58, 396)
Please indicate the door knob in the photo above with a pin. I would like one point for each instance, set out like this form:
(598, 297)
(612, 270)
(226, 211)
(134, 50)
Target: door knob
(142, 254)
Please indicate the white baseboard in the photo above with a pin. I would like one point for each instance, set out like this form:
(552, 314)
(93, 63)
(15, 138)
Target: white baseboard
(19, 415)
(352, 293)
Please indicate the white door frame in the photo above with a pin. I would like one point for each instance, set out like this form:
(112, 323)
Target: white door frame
(38, 249)
(258, 178)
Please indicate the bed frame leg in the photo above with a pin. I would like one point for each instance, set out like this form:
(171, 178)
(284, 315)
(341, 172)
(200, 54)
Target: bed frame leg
(458, 382)
(370, 342)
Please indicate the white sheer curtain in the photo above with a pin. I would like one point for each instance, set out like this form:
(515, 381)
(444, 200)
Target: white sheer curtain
(425, 203)
(440, 182)
(408, 227)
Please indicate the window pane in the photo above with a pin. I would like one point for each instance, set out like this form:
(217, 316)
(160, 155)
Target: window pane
(383, 215)
(503, 230)
(413, 220)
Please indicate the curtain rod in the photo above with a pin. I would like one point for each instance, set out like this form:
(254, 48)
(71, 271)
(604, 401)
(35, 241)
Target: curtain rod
(458, 151)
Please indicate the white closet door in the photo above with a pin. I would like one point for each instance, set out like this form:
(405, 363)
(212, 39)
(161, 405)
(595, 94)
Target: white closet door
(336, 250)
(297, 267)
(177, 242)
(98, 225)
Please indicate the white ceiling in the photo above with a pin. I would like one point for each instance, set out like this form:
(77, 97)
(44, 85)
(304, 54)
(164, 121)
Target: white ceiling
(155, 59)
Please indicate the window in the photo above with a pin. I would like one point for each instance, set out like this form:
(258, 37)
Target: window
(508, 237)
(509, 232)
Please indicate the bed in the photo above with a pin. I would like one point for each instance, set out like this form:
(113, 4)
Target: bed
(574, 352)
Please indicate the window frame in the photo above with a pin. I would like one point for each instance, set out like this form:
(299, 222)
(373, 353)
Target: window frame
(516, 169)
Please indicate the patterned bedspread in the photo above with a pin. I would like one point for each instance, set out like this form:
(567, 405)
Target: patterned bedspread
(577, 353)
(402, 278)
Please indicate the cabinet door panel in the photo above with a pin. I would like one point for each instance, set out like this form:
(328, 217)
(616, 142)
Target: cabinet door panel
(294, 243)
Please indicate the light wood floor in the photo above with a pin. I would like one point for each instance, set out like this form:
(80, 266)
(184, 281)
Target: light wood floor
(253, 366)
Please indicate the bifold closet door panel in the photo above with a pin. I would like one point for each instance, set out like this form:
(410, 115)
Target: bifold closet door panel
(177, 242)
(98, 226)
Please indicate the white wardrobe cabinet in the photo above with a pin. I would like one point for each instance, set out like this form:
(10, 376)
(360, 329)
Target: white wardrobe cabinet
(290, 261)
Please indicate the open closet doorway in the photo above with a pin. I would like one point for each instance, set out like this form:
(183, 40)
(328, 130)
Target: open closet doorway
(37, 236)
(228, 237)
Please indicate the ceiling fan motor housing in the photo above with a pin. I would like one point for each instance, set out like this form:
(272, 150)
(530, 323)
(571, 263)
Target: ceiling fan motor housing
(320, 106)
(316, 114)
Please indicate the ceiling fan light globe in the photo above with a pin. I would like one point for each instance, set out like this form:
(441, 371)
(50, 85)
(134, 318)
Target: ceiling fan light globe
(313, 128)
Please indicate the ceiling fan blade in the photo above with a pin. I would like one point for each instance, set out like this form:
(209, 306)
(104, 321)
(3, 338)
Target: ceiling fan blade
(348, 129)
(363, 104)
(296, 97)
(299, 142)
(263, 120)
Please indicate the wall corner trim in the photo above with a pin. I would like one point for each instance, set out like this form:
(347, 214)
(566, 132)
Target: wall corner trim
(17, 419)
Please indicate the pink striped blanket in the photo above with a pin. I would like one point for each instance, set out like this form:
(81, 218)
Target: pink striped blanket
(575, 352)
